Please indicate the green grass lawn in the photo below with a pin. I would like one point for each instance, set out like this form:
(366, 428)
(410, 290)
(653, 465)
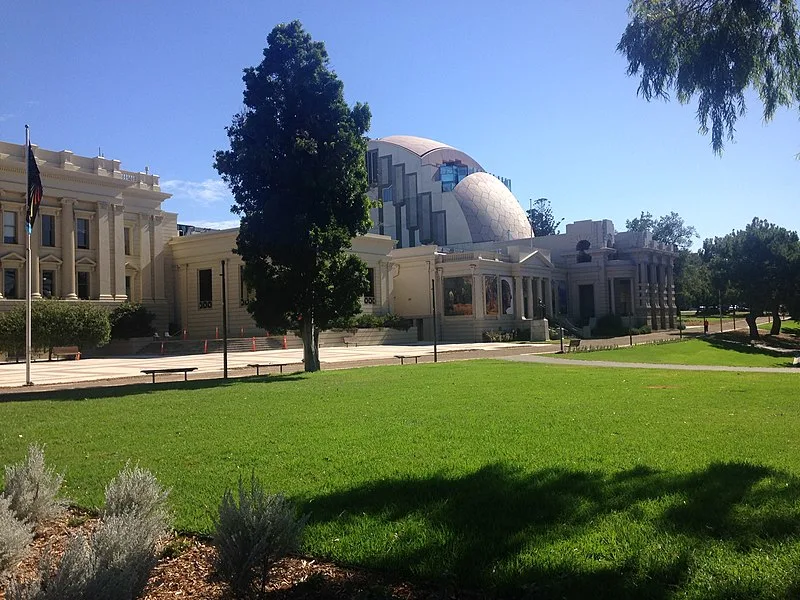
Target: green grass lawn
(512, 478)
(697, 351)
(790, 327)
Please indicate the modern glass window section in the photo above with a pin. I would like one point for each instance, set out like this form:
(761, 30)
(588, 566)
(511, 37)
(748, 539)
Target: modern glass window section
(82, 233)
(10, 283)
(83, 285)
(204, 288)
(48, 284)
(450, 174)
(457, 296)
(48, 230)
(9, 227)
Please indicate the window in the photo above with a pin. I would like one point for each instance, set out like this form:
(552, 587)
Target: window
(10, 283)
(490, 284)
(246, 294)
(457, 296)
(48, 284)
(82, 233)
(83, 285)
(369, 297)
(9, 227)
(372, 167)
(128, 287)
(204, 293)
(127, 240)
(48, 230)
(450, 174)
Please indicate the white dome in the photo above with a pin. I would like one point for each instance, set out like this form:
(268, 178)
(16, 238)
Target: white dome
(492, 212)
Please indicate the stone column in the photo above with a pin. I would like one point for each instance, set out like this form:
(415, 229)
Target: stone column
(518, 299)
(118, 211)
(662, 292)
(671, 304)
(529, 284)
(68, 249)
(158, 256)
(36, 276)
(613, 299)
(548, 299)
(636, 288)
(145, 257)
(104, 256)
(477, 296)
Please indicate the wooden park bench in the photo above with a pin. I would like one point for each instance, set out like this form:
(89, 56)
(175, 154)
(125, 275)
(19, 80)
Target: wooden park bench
(258, 366)
(405, 357)
(66, 351)
(350, 340)
(184, 370)
(576, 343)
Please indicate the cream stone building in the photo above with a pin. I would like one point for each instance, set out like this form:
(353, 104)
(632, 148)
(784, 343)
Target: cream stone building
(448, 236)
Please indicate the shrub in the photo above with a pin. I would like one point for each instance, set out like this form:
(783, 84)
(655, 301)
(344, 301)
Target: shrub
(510, 335)
(251, 534)
(137, 491)
(396, 322)
(610, 326)
(15, 535)
(644, 329)
(115, 562)
(368, 321)
(131, 320)
(32, 488)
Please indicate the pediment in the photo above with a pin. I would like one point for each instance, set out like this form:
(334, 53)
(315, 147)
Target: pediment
(51, 259)
(12, 256)
(85, 262)
(536, 257)
(129, 266)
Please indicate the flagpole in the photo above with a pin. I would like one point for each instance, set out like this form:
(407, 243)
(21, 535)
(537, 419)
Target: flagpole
(27, 262)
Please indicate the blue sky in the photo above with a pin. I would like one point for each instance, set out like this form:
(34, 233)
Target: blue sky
(534, 91)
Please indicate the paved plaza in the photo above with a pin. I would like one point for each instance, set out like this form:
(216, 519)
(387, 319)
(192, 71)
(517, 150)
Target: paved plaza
(65, 372)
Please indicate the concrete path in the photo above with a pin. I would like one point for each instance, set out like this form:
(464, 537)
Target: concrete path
(552, 360)
(44, 373)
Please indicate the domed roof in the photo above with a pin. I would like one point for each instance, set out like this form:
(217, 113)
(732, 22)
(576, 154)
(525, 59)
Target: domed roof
(492, 212)
(417, 145)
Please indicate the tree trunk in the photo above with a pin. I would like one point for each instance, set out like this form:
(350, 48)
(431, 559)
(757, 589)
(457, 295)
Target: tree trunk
(310, 334)
(776, 321)
(751, 322)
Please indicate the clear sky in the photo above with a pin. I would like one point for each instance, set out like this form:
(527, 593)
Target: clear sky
(533, 90)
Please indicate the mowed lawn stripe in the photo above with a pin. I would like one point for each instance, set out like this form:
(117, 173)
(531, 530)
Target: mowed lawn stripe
(489, 473)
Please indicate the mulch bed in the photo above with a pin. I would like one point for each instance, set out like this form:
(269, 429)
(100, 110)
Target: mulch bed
(186, 570)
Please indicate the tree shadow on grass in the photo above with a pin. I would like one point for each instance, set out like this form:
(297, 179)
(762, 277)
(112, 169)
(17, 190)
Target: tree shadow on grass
(740, 344)
(119, 391)
(558, 533)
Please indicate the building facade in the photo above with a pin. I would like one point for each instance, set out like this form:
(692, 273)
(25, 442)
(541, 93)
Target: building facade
(448, 237)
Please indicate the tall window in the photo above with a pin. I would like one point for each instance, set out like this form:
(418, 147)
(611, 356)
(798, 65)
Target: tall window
(128, 287)
(246, 294)
(204, 292)
(10, 283)
(9, 227)
(48, 230)
(127, 240)
(48, 284)
(83, 285)
(369, 297)
(82, 233)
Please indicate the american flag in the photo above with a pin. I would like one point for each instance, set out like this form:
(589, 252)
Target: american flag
(34, 189)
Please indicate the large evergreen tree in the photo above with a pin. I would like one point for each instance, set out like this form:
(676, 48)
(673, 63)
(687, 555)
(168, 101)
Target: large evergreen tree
(715, 50)
(297, 172)
(542, 219)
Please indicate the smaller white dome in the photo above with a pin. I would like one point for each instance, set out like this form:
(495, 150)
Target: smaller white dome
(492, 212)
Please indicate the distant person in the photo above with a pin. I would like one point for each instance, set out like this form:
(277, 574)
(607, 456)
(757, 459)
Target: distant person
(705, 326)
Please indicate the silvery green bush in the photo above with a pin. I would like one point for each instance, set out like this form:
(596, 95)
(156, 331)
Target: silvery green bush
(32, 488)
(253, 531)
(15, 535)
(115, 562)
